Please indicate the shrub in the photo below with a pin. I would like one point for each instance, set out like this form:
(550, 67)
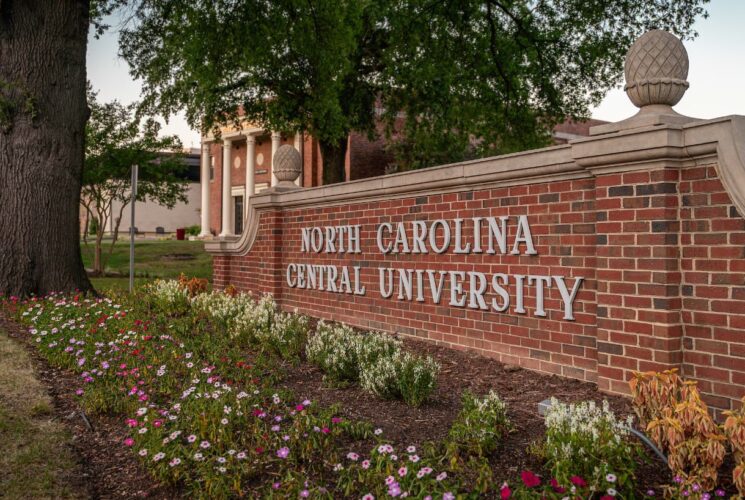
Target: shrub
(167, 296)
(417, 379)
(228, 311)
(251, 317)
(193, 230)
(342, 353)
(400, 375)
(286, 336)
(587, 441)
(480, 425)
(679, 422)
(194, 286)
(734, 428)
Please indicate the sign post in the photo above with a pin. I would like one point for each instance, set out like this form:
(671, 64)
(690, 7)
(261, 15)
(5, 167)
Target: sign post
(132, 231)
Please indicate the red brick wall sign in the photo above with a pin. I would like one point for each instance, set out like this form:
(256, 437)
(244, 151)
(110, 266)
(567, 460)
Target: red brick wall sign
(618, 252)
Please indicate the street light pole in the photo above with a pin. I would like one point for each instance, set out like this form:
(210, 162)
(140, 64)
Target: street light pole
(132, 231)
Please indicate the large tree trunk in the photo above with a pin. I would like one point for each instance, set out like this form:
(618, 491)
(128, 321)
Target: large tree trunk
(42, 120)
(334, 155)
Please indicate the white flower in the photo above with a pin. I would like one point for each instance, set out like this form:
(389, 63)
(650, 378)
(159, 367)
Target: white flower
(611, 492)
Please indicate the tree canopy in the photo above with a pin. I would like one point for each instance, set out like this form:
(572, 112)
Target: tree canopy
(469, 77)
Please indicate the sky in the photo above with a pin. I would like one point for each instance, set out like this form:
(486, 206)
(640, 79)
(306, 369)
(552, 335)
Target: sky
(716, 74)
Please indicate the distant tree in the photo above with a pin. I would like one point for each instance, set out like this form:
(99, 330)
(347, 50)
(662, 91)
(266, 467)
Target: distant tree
(494, 74)
(116, 139)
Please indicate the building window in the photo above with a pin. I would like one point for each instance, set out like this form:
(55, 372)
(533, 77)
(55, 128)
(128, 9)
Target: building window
(212, 168)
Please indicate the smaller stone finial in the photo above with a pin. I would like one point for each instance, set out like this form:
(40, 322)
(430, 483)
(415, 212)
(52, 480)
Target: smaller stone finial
(656, 70)
(287, 166)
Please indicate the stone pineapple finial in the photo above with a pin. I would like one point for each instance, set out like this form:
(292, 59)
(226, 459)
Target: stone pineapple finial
(287, 166)
(656, 69)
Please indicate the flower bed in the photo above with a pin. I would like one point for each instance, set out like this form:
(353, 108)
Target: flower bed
(173, 369)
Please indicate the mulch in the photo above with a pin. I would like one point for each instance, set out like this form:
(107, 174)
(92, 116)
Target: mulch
(521, 389)
(113, 471)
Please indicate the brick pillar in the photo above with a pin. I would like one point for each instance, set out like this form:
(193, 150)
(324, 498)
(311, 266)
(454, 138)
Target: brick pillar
(639, 302)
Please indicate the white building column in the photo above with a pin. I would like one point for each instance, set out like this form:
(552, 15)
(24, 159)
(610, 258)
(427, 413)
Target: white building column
(250, 170)
(276, 137)
(204, 179)
(299, 146)
(227, 195)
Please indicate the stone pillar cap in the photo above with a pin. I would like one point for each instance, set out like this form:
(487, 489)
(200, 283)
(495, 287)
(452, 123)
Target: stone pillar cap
(287, 166)
(656, 69)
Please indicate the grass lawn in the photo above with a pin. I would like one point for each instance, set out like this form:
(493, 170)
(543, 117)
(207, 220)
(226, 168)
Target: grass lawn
(153, 259)
(36, 460)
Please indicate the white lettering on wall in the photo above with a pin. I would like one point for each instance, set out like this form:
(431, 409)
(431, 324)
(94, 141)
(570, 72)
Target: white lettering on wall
(500, 292)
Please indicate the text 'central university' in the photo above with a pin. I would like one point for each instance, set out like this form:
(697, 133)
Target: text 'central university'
(499, 292)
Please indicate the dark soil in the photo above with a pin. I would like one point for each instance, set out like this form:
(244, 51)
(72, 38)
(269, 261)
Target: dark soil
(109, 469)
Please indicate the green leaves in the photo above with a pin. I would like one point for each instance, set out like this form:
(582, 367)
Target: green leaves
(116, 139)
(444, 81)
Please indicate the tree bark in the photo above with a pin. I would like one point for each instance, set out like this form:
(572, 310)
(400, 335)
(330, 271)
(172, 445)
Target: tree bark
(43, 112)
(334, 156)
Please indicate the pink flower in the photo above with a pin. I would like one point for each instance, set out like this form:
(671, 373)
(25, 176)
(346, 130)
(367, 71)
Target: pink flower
(529, 479)
(578, 481)
(283, 452)
(556, 486)
(131, 422)
(505, 492)
(299, 407)
(129, 442)
(336, 420)
(325, 430)
(402, 471)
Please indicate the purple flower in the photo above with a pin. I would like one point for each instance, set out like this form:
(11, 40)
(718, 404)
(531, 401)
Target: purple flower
(283, 452)
(720, 492)
(448, 496)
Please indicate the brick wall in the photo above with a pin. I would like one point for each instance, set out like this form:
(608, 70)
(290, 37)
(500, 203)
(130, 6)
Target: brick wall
(661, 251)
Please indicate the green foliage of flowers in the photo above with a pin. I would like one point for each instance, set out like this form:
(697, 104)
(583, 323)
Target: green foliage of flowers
(167, 296)
(480, 426)
(390, 473)
(286, 336)
(342, 353)
(401, 375)
(375, 360)
(588, 441)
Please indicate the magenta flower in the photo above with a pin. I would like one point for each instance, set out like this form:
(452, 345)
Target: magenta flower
(578, 481)
(129, 442)
(529, 479)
